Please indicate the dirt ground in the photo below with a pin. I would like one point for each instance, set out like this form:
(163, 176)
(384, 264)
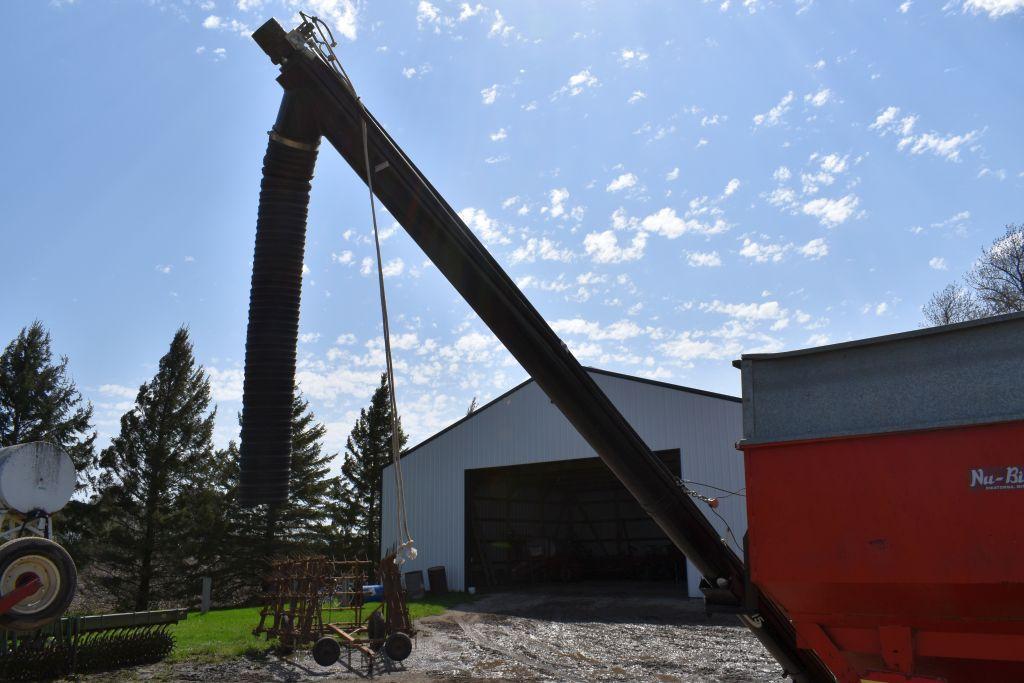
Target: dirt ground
(584, 632)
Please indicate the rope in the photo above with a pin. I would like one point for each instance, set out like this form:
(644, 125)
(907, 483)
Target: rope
(405, 550)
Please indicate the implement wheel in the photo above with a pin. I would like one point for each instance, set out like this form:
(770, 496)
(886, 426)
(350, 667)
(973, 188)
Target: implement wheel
(326, 651)
(25, 559)
(398, 646)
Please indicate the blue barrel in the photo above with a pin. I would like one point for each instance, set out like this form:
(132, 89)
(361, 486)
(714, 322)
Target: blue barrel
(373, 591)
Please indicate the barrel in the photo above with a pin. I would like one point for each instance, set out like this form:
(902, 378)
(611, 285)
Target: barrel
(438, 580)
(35, 476)
(414, 584)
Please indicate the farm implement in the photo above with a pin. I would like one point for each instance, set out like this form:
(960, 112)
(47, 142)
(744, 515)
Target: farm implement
(38, 580)
(318, 602)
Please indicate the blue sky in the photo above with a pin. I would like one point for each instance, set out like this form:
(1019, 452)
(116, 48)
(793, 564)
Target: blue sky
(672, 184)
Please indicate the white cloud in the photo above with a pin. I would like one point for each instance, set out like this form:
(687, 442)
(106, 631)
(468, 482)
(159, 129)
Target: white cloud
(225, 385)
(773, 116)
(164, 269)
(466, 11)
(488, 229)
(214, 22)
(687, 348)
(885, 119)
(766, 310)
(673, 174)
(905, 6)
(832, 212)
(782, 174)
(557, 206)
(630, 56)
(937, 263)
(417, 71)
(501, 134)
(489, 95)
(544, 248)
(594, 331)
(577, 83)
(699, 259)
(817, 340)
(731, 187)
(636, 96)
(946, 146)
(994, 8)
(394, 267)
(665, 222)
(345, 257)
(342, 14)
(603, 247)
(815, 249)
(623, 182)
(427, 14)
(762, 252)
(818, 99)
(500, 28)
(118, 390)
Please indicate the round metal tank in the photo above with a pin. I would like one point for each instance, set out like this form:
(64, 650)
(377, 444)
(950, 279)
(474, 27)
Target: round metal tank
(35, 476)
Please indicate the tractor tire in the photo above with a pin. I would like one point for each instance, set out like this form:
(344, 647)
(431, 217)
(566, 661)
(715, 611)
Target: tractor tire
(28, 557)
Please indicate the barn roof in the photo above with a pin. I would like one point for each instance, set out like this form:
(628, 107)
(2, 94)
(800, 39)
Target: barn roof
(599, 371)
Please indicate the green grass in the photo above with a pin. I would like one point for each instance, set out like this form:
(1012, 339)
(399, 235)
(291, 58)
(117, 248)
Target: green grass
(224, 633)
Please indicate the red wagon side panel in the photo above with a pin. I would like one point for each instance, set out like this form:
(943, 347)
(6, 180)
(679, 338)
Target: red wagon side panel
(923, 530)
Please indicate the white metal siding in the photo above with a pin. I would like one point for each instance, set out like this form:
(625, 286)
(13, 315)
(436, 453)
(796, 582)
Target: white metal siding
(524, 427)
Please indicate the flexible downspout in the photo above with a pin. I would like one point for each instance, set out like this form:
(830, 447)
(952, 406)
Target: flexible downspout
(274, 303)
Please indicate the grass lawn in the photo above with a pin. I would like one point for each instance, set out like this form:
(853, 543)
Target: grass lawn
(228, 632)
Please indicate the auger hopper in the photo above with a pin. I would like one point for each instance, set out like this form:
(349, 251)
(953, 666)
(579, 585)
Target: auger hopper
(885, 492)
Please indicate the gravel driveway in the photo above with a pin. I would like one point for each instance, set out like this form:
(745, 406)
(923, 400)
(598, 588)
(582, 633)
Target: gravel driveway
(584, 632)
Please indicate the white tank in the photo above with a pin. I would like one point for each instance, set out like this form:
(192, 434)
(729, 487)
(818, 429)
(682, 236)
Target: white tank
(35, 476)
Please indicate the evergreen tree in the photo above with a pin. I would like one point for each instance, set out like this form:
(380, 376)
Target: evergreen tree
(39, 402)
(156, 486)
(302, 525)
(367, 452)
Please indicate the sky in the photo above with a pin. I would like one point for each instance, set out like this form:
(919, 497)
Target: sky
(671, 184)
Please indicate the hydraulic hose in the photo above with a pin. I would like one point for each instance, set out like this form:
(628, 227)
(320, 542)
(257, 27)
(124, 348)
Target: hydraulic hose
(274, 300)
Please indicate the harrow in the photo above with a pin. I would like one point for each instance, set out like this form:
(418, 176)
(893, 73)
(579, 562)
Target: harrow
(87, 644)
(317, 602)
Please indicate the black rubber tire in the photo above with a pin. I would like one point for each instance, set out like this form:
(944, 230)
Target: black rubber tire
(376, 629)
(68, 574)
(326, 651)
(398, 646)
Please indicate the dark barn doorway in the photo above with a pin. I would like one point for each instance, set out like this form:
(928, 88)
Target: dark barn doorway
(569, 520)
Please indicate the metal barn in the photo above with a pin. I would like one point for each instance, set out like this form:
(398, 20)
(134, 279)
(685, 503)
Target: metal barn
(512, 494)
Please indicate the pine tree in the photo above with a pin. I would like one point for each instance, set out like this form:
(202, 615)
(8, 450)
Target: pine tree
(156, 485)
(39, 402)
(302, 525)
(367, 452)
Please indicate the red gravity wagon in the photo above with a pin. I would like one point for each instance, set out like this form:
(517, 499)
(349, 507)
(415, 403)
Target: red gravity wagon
(885, 494)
